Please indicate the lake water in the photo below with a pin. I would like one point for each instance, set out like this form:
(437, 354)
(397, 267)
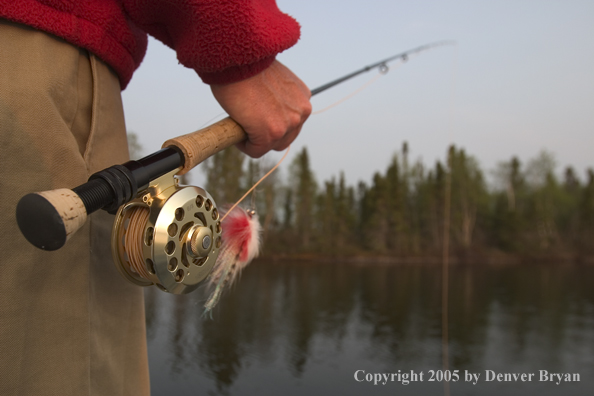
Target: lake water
(290, 328)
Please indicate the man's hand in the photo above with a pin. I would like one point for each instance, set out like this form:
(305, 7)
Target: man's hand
(270, 106)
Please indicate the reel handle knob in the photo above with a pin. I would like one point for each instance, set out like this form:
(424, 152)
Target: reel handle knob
(48, 219)
(200, 241)
(198, 146)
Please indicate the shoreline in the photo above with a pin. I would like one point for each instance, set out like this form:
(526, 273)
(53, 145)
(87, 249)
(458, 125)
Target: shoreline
(454, 260)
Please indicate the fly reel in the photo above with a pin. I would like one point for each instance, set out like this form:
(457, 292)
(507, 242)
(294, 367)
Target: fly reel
(169, 237)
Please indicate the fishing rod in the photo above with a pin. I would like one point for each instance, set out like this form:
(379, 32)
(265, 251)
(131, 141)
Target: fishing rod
(163, 234)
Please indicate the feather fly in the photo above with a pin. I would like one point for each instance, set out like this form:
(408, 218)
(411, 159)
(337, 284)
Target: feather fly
(241, 244)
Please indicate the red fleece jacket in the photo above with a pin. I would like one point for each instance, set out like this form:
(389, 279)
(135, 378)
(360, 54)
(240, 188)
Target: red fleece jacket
(223, 40)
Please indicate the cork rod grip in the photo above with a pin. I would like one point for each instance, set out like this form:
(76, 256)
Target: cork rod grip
(198, 146)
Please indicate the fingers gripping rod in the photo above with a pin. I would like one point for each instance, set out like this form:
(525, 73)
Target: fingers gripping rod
(48, 219)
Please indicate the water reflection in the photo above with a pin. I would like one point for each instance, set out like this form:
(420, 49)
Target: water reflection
(305, 328)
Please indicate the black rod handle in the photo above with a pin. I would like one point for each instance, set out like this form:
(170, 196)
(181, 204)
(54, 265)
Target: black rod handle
(48, 219)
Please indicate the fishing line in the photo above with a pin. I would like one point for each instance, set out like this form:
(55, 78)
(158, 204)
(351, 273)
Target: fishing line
(256, 185)
(133, 240)
(360, 89)
(218, 116)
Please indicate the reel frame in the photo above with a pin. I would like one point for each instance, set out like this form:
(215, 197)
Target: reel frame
(180, 240)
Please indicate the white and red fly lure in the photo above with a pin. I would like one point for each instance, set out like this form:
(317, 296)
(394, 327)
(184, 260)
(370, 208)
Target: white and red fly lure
(241, 244)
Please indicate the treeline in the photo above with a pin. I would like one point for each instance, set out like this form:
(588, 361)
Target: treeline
(402, 212)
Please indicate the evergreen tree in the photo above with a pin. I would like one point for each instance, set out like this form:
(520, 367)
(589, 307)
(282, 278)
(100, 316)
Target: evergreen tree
(304, 192)
(586, 215)
(568, 208)
(374, 224)
(346, 213)
(419, 204)
(288, 209)
(396, 197)
(224, 175)
(507, 225)
(327, 218)
(438, 188)
(469, 195)
(542, 212)
(337, 215)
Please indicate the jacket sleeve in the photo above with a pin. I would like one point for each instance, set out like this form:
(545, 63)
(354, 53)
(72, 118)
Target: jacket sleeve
(223, 40)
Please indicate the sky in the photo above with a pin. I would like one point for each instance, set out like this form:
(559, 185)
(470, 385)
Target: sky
(519, 80)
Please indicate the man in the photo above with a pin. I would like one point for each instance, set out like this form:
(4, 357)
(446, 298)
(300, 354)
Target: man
(69, 325)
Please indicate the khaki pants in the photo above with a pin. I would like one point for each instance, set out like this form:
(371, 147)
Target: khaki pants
(69, 324)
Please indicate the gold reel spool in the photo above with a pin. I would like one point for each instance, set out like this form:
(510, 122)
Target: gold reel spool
(170, 237)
